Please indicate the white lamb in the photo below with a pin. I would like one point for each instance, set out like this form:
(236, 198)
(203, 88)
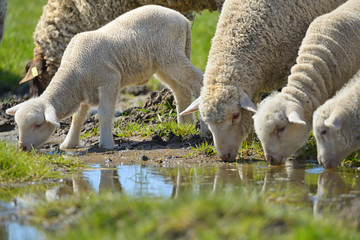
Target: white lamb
(328, 57)
(97, 64)
(336, 125)
(255, 45)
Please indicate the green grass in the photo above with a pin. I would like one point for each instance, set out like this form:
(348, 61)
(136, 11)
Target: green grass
(161, 129)
(203, 30)
(205, 148)
(17, 46)
(20, 166)
(231, 214)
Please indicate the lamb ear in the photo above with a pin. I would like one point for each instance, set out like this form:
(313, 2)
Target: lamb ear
(50, 116)
(12, 111)
(193, 107)
(335, 121)
(246, 103)
(296, 117)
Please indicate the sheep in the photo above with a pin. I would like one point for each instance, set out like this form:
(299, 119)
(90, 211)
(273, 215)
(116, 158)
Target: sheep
(336, 125)
(62, 19)
(328, 57)
(3, 7)
(254, 47)
(97, 64)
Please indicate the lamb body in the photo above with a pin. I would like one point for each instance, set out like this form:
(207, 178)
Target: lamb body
(97, 64)
(254, 47)
(336, 125)
(328, 57)
(3, 7)
(63, 19)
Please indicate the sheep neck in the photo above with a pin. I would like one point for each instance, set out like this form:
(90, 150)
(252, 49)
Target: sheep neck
(64, 97)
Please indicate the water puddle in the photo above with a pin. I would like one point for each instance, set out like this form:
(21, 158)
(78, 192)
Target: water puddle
(303, 185)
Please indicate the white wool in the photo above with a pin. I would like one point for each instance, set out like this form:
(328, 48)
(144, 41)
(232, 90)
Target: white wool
(97, 64)
(328, 57)
(336, 125)
(254, 47)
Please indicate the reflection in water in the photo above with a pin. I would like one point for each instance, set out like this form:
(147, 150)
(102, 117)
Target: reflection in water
(333, 192)
(305, 185)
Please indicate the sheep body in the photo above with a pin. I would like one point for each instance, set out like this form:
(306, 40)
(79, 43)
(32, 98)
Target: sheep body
(63, 19)
(3, 7)
(97, 64)
(328, 57)
(336, 125)
(254, 47)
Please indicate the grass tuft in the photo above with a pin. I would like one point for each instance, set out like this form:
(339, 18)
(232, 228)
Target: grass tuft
(19, 166)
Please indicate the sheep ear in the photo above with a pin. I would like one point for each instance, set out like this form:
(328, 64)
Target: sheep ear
(335, 121)
(33, 69)
(50, 116)
(12, 111)
(296, 117)
(246, 103)
(193, 107)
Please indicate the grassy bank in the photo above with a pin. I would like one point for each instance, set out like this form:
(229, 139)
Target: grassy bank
(19, 166)
(240, 214)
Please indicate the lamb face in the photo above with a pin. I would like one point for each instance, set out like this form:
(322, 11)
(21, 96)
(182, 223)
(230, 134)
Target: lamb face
(280, 128)
(335, 138)
(36, 121)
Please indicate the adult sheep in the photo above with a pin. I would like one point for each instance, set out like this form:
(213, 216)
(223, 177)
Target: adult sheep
(62, 19)
(328, 57)
(3, 7)
(254, 47)
(97, 64)
(336, 125)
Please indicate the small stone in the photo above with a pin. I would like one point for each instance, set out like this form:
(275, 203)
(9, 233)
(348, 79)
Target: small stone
(144, 158)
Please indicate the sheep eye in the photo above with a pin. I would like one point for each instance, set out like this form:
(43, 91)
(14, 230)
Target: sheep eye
(323, 132)
(37, 125)
(235, 116)
(280, 129)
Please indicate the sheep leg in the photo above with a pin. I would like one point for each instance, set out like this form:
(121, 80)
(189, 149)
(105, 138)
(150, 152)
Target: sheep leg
(185, 81)
(182, 95)
(106, 112)
(72, 139)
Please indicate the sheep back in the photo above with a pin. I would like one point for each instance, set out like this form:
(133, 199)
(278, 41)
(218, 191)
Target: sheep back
(328, 57)
(62, 19)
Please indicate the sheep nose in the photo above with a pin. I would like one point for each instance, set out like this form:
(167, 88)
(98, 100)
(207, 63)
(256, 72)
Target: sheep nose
(225, 157)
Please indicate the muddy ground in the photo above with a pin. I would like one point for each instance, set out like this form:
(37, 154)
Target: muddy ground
(157, 149)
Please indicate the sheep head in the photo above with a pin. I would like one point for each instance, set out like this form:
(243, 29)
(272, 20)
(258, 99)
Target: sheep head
(36, 120)
(37, 75)
(227, 122)
(335, 139)
(281, 128)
